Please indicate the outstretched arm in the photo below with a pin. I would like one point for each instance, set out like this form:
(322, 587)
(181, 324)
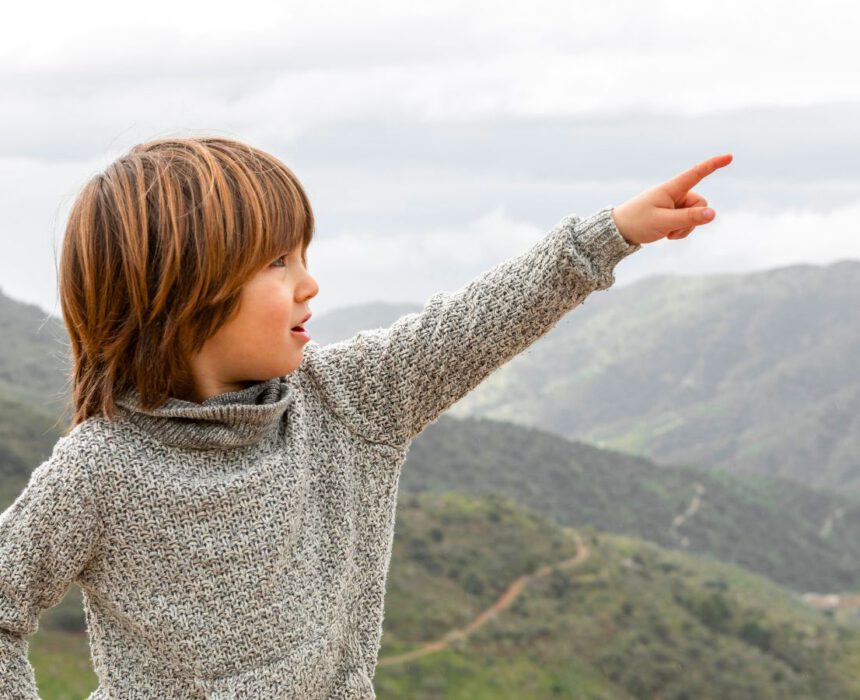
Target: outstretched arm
(388, 384)
(46, 537)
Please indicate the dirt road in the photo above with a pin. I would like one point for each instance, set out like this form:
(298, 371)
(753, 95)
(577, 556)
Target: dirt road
(508, 597)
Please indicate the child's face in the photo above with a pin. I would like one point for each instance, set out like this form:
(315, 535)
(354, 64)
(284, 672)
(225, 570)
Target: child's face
(257, 343)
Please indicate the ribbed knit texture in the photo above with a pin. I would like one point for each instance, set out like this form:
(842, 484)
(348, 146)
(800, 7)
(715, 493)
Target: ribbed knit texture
(238, 548)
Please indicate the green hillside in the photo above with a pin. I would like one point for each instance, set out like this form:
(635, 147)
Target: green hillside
(799, 537)
(632, 620)
(751, 373)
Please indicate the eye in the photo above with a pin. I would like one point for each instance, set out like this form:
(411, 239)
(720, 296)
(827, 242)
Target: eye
(283, 259)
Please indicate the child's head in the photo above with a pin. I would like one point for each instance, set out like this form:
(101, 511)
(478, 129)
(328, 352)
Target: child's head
(183, 270)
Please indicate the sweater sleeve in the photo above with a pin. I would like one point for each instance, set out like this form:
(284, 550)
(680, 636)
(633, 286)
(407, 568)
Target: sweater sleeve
(388, 384)
(46, 537)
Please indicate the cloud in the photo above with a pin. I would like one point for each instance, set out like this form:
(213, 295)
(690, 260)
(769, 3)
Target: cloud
(415, 127)
(747, 240)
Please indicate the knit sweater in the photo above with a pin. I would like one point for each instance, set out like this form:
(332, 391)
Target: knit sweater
(238, 548)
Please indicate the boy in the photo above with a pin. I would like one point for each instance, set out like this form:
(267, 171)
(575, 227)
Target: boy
(226, 495)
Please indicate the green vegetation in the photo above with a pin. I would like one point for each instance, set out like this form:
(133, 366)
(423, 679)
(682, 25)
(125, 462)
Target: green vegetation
(633, 621)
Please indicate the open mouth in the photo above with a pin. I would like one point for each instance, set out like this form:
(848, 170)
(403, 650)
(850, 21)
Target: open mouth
(301, 332)
(300, 329)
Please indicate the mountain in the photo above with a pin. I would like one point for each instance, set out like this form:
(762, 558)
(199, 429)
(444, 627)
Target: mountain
(34, 356)
(806, 540)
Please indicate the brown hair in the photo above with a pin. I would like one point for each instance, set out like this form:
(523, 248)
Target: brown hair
(156, 250)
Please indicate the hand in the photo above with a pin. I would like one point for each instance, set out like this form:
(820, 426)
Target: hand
(671, 209)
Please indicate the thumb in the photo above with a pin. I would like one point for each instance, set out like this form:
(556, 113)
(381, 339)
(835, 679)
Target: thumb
(674, 219)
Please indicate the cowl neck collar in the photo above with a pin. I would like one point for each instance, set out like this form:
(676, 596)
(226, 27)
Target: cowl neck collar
(232, 419)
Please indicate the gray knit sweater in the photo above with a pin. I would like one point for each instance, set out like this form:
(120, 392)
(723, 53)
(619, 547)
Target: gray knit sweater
(238, 548)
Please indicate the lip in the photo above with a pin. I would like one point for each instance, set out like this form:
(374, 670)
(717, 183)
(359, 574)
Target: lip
(304, 320)
(302, 334)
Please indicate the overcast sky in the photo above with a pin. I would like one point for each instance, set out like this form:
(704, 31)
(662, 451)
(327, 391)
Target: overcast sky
(437, 140)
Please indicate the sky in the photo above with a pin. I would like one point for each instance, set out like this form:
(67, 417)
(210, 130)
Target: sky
(436, 140)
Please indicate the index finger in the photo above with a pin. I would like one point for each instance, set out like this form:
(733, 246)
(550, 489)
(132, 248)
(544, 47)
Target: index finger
(683, 183)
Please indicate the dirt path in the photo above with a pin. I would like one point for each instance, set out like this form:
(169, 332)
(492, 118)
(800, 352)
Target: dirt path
(508, 597)
(689, 513)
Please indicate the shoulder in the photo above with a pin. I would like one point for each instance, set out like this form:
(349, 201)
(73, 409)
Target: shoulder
(86, 436)
(86, 446)
(79, 467)
(64, 480)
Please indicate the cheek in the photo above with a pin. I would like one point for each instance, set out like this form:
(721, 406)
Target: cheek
(270, 309)
(273, 315)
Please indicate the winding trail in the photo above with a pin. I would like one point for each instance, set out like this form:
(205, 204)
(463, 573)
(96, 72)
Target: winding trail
(689, 513)
(508, 597)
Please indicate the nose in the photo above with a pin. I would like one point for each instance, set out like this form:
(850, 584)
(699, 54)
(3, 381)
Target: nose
(312, 285)
(316, 286)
